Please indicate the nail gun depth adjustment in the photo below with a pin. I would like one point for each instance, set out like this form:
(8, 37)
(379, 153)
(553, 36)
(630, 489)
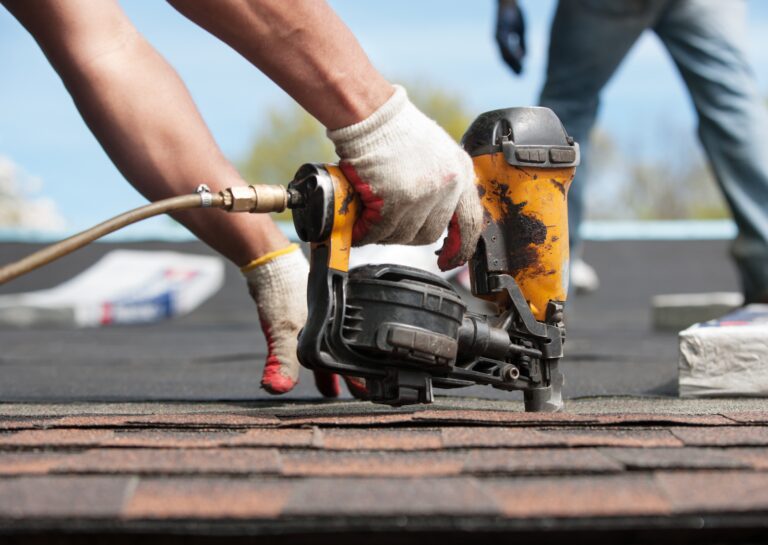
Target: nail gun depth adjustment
(407, 331)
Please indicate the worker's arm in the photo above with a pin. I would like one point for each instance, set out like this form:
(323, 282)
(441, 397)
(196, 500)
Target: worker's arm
(412, 177)
(302, 46)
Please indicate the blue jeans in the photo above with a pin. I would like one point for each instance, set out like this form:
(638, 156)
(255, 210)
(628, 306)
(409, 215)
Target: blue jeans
(590, 38)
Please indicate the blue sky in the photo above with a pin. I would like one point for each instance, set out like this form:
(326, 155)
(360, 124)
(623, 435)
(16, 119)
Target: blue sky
(448, 43)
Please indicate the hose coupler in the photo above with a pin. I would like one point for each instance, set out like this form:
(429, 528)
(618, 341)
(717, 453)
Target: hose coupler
(255, 198)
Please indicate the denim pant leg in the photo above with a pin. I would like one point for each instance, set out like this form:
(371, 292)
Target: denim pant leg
(705, 39)
(588, 41)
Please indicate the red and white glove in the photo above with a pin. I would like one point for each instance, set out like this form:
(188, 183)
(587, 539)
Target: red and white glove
(413, 181)
(278, 284)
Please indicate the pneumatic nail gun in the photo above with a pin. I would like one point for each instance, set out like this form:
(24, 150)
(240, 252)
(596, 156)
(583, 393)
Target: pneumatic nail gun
(407, 331)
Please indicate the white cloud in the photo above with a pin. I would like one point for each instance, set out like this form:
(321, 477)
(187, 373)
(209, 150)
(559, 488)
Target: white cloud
(21, 205)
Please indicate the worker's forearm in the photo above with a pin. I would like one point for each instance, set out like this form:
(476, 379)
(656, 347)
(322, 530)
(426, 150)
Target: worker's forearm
(304, 47)
(141, 113)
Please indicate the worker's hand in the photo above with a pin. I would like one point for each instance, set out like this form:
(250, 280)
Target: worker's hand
(412, 178)
(510, 34)
(278, 284)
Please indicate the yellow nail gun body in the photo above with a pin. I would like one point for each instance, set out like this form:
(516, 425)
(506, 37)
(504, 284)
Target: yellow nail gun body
(405, 330)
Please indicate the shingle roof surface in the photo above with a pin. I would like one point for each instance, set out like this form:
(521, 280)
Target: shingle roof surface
(610, 469)
(343, 463)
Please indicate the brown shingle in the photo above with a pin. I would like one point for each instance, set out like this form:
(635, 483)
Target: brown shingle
(56, 438)
(668, 419)
(722, 491)
(63, 496)
(158, 438)
(599, 437)
(749, 417)
(346, 420)
(144, 461)
(465, 437)
(381, 439)
(596, 496)
(306, 463)
(509, 418)
(539, 461)
(172, 461)
(200, 420)
(276, 438)
(676, 458)
(512, 418)
(29, 463)
(381, 496)
(207, 498)
(731, 436)
(755, 457)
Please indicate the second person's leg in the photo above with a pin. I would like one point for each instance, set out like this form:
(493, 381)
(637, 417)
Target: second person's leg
(588, 41)
(706, 40)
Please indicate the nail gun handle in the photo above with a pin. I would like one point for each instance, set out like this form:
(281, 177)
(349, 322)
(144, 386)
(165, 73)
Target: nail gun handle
(346, 209)
(526, 228)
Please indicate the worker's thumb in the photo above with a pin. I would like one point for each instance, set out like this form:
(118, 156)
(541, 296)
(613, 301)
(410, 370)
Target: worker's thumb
(463, 231)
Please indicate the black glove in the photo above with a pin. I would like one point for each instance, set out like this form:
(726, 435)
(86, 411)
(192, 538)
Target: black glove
(510, 34)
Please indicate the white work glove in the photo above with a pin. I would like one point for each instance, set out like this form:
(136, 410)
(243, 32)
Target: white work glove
(278, 284)
(413, 180)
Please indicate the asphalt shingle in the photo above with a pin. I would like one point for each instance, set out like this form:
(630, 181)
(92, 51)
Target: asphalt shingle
(277, 463)
(207, 498)
(64, 496)
(594, 496)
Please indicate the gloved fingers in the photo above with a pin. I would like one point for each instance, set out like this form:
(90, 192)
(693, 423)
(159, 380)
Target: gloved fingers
(431, 231)
(357, 387)
(279, 377)
(281, 369)
(327, 383)
(444, 209)
(372, 204)
(463, 231)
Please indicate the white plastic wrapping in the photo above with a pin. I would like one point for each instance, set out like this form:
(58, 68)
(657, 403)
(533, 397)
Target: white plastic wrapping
(727, 356)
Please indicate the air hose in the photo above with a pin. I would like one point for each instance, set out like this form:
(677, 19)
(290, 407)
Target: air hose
(251, 198)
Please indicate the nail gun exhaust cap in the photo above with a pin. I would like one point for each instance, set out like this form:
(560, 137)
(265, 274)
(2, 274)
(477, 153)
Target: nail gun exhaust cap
(313, 220)
(532, 136)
